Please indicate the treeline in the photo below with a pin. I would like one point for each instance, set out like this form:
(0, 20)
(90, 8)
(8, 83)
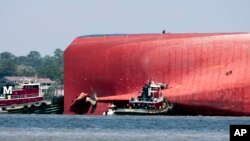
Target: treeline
(33, 65)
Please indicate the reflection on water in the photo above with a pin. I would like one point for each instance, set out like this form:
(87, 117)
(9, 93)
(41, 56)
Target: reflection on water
(113, 128)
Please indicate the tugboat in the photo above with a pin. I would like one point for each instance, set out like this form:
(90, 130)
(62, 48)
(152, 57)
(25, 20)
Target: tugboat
(24, 98)
(151, 102)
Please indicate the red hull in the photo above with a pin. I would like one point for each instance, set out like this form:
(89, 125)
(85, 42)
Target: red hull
(207, 74)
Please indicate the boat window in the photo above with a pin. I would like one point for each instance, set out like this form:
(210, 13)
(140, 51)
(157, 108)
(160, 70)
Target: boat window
(31, 87)
(154, 88)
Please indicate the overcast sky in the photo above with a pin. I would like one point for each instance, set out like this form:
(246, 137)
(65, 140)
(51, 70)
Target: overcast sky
(45, 25)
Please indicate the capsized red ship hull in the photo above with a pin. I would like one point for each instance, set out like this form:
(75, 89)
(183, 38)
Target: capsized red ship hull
(207, 73)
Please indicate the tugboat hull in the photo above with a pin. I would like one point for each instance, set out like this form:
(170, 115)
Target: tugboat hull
(141, 112)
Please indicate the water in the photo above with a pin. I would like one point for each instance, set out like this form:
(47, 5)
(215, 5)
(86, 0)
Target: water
(114, 128)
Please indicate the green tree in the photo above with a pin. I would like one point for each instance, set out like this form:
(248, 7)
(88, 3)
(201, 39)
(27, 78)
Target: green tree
(48, 61)
(23, 70)
(34, 55)
(58, 54)
(21, 60)
(7, 65)
(33, 64)
(6, 56)
(53, 72)
(7, 68)
(34, 59)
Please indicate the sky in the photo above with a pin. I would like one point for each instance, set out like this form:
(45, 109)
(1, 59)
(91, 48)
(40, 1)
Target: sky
(43, 26)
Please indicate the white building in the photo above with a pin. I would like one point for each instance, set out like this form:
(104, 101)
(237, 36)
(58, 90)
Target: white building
(45, 83)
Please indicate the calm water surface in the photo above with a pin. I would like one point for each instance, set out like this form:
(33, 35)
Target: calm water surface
(114, 128)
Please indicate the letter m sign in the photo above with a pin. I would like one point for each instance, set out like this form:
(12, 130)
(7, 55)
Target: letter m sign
(7, 90)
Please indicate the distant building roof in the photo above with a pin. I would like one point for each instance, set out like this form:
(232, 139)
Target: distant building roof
(19, 79)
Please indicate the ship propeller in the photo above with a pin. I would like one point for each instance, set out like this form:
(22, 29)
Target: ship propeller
(93, 100)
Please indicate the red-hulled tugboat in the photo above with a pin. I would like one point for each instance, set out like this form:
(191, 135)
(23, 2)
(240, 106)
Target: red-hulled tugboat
(21, 98)
(150, 102)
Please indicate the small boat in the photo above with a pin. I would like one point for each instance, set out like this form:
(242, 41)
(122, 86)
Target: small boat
(111, 110)
(150, 102)
(19, 96)
(25, 98)
(150, 108)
